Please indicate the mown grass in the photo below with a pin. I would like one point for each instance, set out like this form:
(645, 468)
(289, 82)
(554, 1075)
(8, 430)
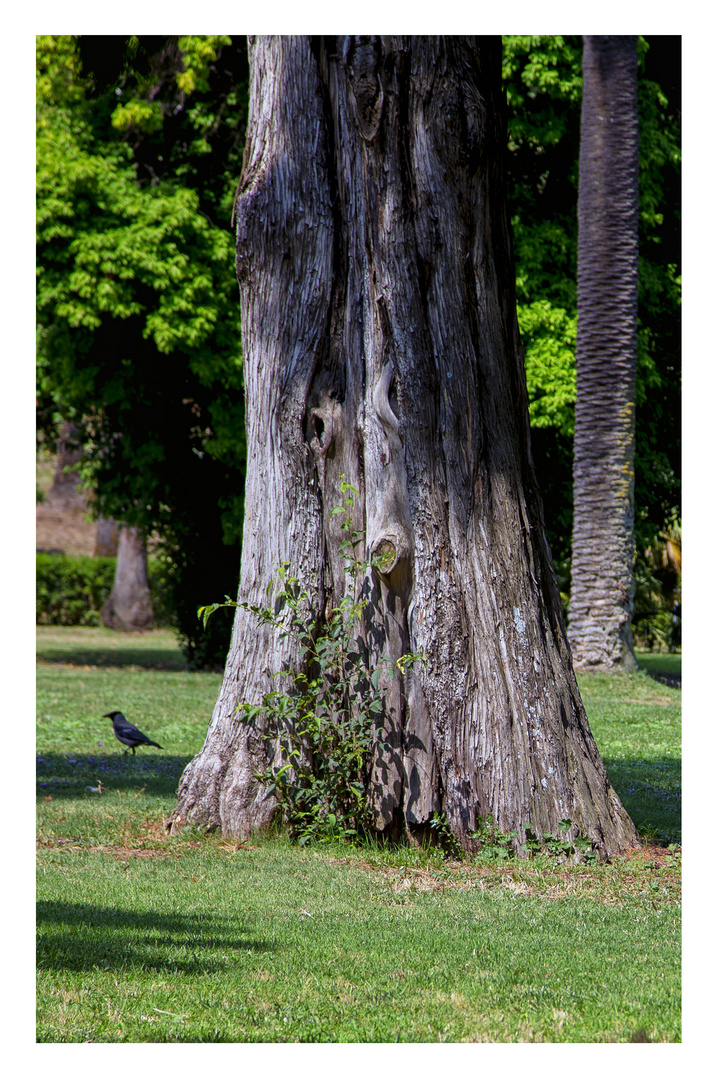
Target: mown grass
(637, 725)
(662, 665)
(144, 936)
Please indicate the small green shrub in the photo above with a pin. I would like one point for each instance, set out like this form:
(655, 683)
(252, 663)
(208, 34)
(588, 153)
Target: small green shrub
(443, 839)
(657, 605)
(493, 844)
(497, 846)
(657, 602)
(320, 734)
(71, 589)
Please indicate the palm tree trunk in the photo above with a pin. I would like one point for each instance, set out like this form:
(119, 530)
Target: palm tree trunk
(602, 584)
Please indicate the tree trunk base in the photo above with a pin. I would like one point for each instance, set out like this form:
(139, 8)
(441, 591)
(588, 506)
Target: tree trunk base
(129, 606)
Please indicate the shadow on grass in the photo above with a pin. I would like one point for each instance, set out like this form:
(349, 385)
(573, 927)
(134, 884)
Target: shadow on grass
(116, 657)
(650, 791)
(85, 937)
(651, 794)
(663, 667)
(70, 775)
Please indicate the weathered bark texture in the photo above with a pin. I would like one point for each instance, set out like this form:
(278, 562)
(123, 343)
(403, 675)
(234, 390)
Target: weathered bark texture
(381, 344)
(129, 605)
(602, 584)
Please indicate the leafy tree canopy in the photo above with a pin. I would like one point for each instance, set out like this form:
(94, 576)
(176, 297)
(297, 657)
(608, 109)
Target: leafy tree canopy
(139, 146)
(138, 316)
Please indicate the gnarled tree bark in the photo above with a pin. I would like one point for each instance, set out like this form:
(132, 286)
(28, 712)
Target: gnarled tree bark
(381, 345)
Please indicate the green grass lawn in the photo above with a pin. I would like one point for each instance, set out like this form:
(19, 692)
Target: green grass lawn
(661, 665)
(146, 937)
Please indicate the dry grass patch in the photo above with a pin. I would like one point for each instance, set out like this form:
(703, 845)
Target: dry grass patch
(651, 872)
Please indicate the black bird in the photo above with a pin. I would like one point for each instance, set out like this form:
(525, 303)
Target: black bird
(127, 733)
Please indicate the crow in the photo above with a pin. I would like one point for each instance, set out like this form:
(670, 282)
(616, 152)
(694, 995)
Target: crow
(127, 733)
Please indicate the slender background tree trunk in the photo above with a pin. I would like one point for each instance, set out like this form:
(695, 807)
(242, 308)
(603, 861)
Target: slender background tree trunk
(602, 583)
(129, 605)
(381, 345)
(106, 538)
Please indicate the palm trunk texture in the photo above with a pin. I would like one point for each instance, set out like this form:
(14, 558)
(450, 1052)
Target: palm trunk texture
(602, 584)
(381, 345)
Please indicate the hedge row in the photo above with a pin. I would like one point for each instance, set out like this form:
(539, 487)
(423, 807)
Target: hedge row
(70, 590)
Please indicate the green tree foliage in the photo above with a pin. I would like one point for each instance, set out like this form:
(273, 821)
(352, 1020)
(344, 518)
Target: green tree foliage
(542, 76)
(139, 147)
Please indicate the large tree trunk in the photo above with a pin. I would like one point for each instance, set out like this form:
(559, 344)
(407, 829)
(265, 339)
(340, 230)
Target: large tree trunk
(129, 605)
(602, 583)
(381, 345)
